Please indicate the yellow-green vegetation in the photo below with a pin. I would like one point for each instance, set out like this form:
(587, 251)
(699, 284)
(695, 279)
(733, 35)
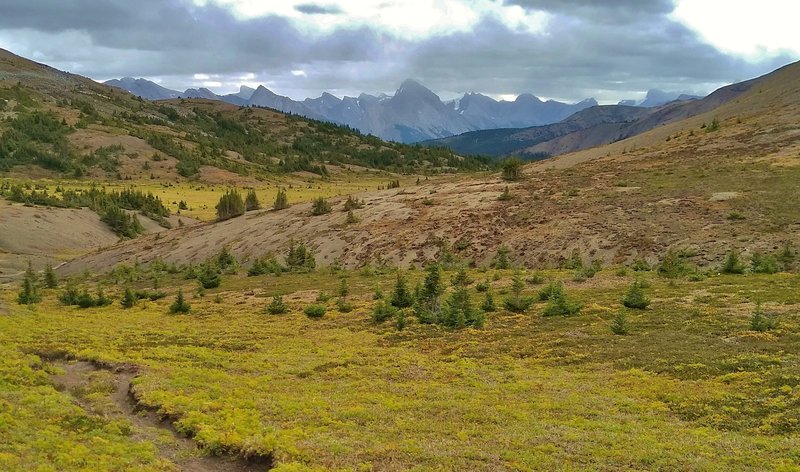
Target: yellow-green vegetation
(201, 198)
(691, 386)
(43, 429)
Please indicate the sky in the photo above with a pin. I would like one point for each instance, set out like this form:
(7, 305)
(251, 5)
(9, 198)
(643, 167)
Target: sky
(562, 49)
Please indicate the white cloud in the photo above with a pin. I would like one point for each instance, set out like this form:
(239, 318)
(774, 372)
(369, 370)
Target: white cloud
(406, 19)
(753, 30)
(509, 97)
(299, 73)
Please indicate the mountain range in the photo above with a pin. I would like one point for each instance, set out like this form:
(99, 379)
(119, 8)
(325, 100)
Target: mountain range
(657, 98)
(414, 113)
(593, 126)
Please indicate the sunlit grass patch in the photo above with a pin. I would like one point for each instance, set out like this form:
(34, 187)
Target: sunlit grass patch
(524, 392)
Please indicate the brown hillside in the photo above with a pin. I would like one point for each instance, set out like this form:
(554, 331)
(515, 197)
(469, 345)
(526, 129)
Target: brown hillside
(704, 191)
(53, 235)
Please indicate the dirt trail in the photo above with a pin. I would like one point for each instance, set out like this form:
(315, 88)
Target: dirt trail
(148, 425)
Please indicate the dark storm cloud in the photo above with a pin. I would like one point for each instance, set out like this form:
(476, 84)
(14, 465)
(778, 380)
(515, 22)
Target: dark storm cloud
(590, 48)
(606, 50)
(179, 38)
(312, 9)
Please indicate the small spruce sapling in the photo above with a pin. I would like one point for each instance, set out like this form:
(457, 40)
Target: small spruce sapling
(401, 296)
(635, 297)
(733, 264)
(29, 292)
(129, 299)
(277, 307)
(619, 325)
(50, 279)
(760, 322)
(516, 303)
(180, 305)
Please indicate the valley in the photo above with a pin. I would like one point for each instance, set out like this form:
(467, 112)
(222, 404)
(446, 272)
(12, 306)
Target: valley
(190, 285)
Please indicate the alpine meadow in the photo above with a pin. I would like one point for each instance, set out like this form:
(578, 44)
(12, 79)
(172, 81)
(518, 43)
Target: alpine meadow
(240, 278)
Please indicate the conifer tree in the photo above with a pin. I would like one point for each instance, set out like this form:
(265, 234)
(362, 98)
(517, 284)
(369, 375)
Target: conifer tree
(251, 201)
(516, 303)
(401, 296)
(428, 307)
(281, 200)
(50, 279)
(635, 297)
(733, 264)
(488, 303)
(461, 279)
(128, 299)
(619, 325)
(179, 305)
(344, 290)
(501, 260)
(29, 293)
(277, 307)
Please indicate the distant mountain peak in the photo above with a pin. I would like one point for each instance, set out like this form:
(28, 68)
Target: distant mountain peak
(412, 87)
(412, 114)
(245, 92)
(527, 98)
(143, 88)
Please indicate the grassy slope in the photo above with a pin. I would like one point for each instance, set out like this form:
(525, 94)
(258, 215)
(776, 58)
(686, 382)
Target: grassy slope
(226, 142)
(690, 388)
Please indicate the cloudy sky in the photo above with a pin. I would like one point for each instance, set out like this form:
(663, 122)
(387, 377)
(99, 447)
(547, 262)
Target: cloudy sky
(562, 49)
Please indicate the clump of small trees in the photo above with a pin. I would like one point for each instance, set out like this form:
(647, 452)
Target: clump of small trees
(251, 201)
(512, 169)
(427, 303)
(299, 257)
(320, 206)
(558, 304)
(230, 205)
(83, 299)
(353, 204)
(281, 200)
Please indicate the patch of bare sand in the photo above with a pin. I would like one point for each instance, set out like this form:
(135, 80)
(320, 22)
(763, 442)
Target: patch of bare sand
(47, 235)
(723, 196)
